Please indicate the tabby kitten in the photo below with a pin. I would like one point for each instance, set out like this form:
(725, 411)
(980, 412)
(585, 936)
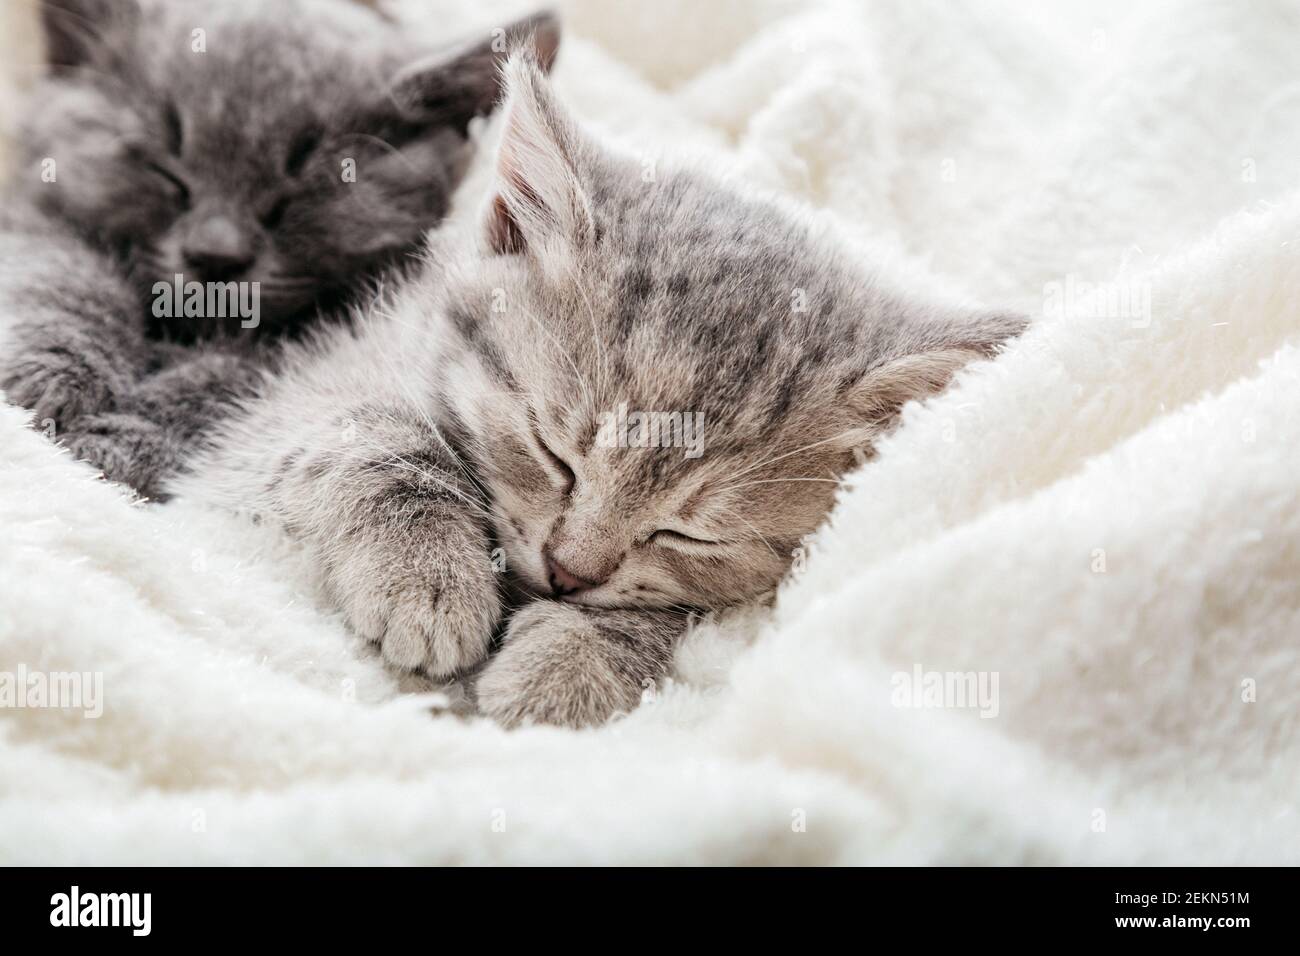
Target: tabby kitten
(300, 148)
(471, 452)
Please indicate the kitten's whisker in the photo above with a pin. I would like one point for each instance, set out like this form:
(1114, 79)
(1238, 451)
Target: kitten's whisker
(516, 392)
(566, 356)
(769, 461)
(760, 534)
(777, 481)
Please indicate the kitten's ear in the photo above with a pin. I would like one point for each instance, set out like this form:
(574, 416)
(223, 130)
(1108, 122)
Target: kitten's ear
(452, 88)
(925, 358)
(538, 200)
(75, 29)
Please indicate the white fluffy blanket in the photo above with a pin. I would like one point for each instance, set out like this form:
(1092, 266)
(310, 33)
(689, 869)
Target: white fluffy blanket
(1106, 519)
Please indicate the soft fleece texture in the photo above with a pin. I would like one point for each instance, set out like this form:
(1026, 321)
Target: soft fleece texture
(1003, 147)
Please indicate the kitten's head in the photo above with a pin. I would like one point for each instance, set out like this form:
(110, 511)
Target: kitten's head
(600, 292)
(301, 144)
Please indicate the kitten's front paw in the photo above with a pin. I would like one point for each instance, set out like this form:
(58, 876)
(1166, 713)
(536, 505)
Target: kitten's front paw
(558, 666)
(126, 448)
(55, 390)
(430, 605)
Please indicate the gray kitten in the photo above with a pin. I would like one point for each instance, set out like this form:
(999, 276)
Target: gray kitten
(300, 148)
(472, 452)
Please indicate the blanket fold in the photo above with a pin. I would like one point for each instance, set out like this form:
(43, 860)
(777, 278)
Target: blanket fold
(1054, 620)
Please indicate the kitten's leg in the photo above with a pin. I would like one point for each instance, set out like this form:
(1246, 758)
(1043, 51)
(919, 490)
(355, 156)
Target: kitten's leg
(164, 417)
(576, 666)
(73, 349)
(71, 333)
(160, 419)
(397, 527)
(196, 387)
(127, 448)
(410, 568)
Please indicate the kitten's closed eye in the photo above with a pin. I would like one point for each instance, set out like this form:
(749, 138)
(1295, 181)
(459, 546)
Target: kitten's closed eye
(667, 536)
(176, 186)
(301, 148)
(558, 464)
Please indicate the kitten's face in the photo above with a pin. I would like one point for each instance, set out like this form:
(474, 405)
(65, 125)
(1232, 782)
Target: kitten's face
(300, 145)
(598, 295)
(613, 524)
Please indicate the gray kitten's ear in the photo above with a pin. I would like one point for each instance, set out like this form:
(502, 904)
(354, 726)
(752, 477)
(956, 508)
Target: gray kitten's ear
(539, 202)
(452, 88)
(925, 358)
(76, 29)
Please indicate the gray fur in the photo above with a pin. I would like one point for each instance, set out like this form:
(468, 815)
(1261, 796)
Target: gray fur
(463, 414)
(221, 165)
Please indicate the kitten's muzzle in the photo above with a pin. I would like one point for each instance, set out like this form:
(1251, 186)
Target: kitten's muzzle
(217, 249)
(562, 580)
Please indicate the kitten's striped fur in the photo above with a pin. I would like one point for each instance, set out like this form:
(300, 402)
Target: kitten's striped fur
(463, 416)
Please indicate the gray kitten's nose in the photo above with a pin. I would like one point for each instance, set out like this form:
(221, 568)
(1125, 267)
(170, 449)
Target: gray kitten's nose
(564, 581)
(217, 249)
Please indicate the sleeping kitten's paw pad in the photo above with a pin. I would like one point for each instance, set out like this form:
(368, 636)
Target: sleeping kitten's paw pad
(554, 668)
(427, 613)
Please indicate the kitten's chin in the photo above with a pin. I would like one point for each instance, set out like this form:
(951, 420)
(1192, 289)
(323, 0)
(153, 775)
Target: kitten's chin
(610, 602)
(589, 600)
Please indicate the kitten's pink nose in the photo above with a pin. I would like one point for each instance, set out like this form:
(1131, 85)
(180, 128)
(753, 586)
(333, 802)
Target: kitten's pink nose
(564, 581)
